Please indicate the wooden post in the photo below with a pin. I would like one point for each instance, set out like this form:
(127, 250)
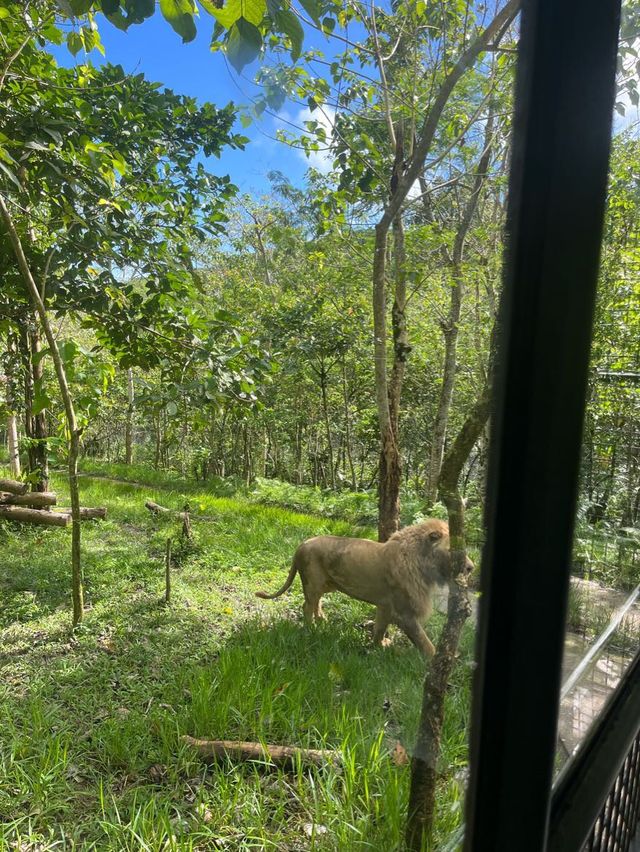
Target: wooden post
(167, 573)
(186, 523)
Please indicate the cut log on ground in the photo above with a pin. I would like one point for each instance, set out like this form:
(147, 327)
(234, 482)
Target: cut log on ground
(87, 513)
(283, 756)
(34, 516)
(34, 499)
(156, 509)
(13, 487)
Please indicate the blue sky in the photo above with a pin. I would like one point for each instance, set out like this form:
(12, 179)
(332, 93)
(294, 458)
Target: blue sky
(154, 49)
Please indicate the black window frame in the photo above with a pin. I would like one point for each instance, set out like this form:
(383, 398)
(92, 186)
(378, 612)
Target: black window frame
(557, 193)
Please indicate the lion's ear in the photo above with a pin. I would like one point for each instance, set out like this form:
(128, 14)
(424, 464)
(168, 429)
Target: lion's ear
(435, 535)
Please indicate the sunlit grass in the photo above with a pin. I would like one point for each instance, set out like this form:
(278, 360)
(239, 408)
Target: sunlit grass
(90, 752)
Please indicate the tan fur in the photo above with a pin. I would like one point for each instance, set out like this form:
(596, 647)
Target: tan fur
(399, 576)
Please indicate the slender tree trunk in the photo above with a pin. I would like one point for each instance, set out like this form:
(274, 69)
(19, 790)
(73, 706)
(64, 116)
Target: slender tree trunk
(35, 426)
(422, 794)
(128, 433)
(450, 327)
(12, 407)
(390, 475)
(156, 460)
(247, 472)
(72, 425)
(324, 374)
(13, 444)
(41, 433)
(299, 474)
(347, 425)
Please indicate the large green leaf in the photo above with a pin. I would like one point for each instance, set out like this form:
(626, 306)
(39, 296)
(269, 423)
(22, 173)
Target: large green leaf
(288, 23)
(179, 13)
(244, 44)
(313, 9)
(252, 11)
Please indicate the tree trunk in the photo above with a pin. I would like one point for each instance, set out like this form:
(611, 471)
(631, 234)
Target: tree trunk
(422, 794)
(34, 425)
(72, 425)
(390, 475)
(247, 472)
(13, 442)
(347, 425)
(128, 433)
(324, 373)
(450, 327)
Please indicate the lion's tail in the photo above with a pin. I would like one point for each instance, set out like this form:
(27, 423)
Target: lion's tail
(287, 583)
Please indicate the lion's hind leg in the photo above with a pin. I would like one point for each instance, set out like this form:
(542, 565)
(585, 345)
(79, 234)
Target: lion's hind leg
(313, 592)
(383, 619)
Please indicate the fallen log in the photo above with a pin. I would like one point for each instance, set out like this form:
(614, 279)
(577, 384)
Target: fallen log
(13, 487)
(34, 516)
(156, 509)
(283, 756)
(35, 499)
(87, 513)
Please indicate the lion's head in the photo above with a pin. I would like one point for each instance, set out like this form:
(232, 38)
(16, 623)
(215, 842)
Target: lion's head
(428, 544)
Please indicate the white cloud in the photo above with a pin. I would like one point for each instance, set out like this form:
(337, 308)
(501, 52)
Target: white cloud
(325, 116)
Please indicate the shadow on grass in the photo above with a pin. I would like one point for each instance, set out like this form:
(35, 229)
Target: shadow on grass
(111, 702)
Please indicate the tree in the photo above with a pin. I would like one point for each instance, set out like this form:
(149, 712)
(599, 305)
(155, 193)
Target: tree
(74, 211)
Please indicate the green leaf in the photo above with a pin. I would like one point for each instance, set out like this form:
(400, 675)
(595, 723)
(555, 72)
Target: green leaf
(80, 7)
(39, 356)
(288, 23)
(312, 8)
(68, 351)
(110, 7)
(171, 409)
(252, 11)
(179, 13)
(273, 7)
(243, 44)
(328, 25)
(75, 43)
(144, 8)
(10, 174)
(246, 120)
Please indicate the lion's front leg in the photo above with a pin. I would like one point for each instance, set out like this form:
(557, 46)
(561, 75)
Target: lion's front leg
(415, 632)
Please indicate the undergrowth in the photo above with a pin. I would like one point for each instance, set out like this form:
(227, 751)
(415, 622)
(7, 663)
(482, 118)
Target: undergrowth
(90, 752)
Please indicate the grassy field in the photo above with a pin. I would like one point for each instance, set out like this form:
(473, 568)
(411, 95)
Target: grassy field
(90, 722)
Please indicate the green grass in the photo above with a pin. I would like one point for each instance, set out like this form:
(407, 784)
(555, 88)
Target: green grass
(90, 749)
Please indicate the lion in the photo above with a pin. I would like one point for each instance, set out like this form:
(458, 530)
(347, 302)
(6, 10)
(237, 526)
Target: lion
(399, 576)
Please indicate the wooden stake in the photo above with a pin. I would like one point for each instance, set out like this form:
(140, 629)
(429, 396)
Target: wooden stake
(167, 573)
(186, 524)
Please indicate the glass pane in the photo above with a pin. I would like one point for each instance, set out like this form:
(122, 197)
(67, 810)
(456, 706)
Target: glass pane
(250, 371)
(603, 626)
